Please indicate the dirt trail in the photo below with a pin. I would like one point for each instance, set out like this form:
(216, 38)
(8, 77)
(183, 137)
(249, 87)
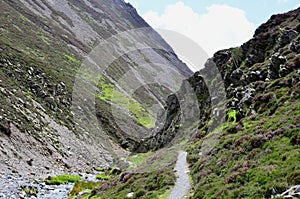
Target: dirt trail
(182, 184)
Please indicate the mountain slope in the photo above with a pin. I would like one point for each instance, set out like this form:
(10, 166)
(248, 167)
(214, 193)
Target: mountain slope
(44, 46)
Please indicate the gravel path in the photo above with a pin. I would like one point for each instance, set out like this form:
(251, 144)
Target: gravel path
(182, 183)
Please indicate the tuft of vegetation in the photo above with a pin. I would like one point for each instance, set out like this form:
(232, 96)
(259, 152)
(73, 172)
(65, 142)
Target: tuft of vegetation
(232, 116)
(31, 191)
(102, 176)
(138, 159)
(294, 178)
(87, 187)
(62, 179)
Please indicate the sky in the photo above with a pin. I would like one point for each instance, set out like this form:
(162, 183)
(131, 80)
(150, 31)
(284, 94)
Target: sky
(212, 24)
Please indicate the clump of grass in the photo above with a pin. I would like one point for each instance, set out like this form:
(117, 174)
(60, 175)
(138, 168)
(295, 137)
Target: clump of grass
(99, 169)
(102, 176)
(31, 191)
(62, 179)
(165, 195)
(232, 116)
(294, 178)
(83, 186)
(71, 58)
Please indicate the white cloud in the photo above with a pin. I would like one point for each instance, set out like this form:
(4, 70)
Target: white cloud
(220, 27)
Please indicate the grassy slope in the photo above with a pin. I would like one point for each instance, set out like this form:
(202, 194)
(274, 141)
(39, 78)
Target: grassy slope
(258, 151)
(149, 176)
(254, 156)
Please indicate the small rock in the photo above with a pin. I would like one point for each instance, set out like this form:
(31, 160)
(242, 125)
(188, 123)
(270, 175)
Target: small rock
(21, 101)
(22, 195)
(130, 195)
(29, 162)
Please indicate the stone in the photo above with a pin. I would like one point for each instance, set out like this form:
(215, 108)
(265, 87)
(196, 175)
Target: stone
(29, 162)
(130, 195)
(5, 128)
(22, 195)
(294, 46)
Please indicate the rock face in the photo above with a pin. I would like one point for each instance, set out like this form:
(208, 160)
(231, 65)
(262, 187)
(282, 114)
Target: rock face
(43, 47)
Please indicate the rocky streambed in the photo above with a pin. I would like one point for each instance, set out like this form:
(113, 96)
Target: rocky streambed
(17, 186)
(12, 187)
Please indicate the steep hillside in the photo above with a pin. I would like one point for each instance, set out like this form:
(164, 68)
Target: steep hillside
(257, 152)
(45, 46)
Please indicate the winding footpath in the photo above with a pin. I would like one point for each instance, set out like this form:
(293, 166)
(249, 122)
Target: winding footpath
(182, 184)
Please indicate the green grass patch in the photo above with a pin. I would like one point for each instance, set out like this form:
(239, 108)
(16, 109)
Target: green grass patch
(232, 116)
(99, 169)
(83, 186)
(62, 179)
(103, 176)
(110, 93)
(71, 58)
(138, 159)
(165, 195)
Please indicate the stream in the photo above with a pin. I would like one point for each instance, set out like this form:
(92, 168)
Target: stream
(182, 184)
(11, 187)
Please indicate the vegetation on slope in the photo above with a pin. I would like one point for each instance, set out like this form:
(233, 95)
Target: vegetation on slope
(253, 156)
(258, 150)
(149, 175)
(111, 93)
(62, 179)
